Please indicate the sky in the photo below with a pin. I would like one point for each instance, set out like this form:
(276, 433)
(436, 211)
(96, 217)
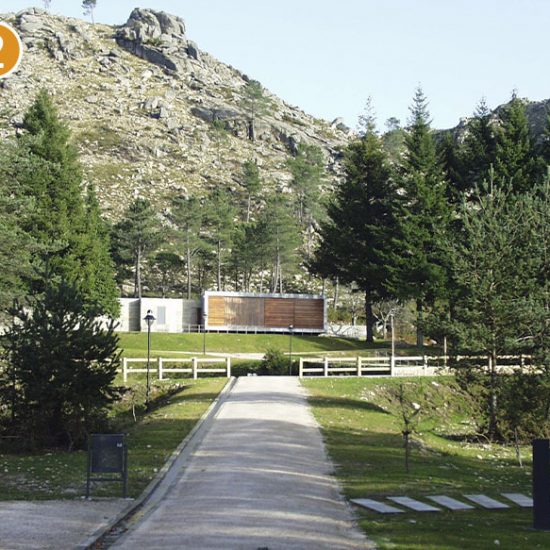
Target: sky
(328, 56)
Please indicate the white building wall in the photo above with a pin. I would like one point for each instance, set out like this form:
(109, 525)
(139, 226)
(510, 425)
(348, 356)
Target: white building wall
(168, 313)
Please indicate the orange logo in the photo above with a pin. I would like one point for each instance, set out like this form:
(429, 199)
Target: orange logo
(11, 50)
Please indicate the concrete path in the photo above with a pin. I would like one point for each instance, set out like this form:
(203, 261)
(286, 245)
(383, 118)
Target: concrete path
(53, 524)
(260, 478)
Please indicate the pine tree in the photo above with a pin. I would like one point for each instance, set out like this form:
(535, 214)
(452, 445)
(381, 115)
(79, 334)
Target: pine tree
(89, 6)
(279, 239)
(356, 239)
(256, 105)
(60, 367)
(187, 217)
(252, 184)
(220, 219)
(17, 246)
(479, 149)
(97, 276)
(418, 267)
(47, 172)
(515, 154)
(165, 268)
(499, 266)
(136, 237)
(307, 169)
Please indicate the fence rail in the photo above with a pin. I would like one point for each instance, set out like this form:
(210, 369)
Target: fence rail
(413, 365)
(159, 367)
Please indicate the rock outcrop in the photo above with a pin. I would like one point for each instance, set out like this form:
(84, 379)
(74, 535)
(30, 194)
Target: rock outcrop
(141, 100)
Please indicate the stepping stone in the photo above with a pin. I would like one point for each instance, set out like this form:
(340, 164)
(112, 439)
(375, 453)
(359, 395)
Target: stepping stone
(451, 503)
(414, 504)
(487, 502)
(377, 506)
(519, 499)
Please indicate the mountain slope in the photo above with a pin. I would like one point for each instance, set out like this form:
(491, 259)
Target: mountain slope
(140, 100)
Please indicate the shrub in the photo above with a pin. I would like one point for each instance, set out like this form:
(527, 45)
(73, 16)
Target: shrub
(275, 363)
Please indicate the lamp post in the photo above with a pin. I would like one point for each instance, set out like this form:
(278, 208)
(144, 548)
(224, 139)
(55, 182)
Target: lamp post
(149, 319)
(392, 358)
(290, 330)
(204, 318)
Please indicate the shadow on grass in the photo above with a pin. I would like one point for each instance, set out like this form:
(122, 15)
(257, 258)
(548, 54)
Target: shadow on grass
(345, 403)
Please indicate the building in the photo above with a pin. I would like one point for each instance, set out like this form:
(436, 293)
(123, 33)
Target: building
(248, 312)
(171, 314)
(227, 312)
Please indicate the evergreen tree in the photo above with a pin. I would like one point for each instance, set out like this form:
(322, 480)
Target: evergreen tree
(220, 219)
(499, 266)
(544, 148)
(307, 169)
(46, 170)
(515, 154)
(97, 276)
(279, 239)
(136, 237)
(60, 368)
(17, 246)
(356, 239)
(418, 266)
(165, 268)
(89, 6)
(256, 105)
(478, 152)
(252, 184)
(187, 217)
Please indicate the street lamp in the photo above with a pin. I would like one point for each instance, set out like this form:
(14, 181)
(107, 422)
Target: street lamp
(392, 359)
(204, 318)
(149, 319)
(290, 330)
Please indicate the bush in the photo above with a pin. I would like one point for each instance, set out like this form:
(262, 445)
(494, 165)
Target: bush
(275, 363)
(60, 367)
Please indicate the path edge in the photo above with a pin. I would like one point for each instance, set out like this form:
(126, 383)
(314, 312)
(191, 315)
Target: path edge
(91, 541)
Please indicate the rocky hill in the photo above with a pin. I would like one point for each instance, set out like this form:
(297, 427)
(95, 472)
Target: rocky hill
(141, 100)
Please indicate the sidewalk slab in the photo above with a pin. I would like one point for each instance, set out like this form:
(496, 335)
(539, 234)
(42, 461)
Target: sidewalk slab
(52, 524)
(259, 478)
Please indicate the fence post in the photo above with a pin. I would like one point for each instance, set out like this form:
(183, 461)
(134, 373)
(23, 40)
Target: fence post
(194, 368)
(359, 365)
(228, 366)
(125, 369)
(301, 368)
(160, 368)
(326, 366)
(424, 364)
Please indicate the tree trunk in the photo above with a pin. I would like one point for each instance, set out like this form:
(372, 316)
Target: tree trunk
(493, 400)
(336, 293)
(219, 274)
(369, 316)
(248, 208)
(419, 321)
(188, 261)
(137, 280)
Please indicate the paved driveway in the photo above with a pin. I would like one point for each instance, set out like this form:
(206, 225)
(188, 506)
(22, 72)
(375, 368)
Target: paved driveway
(260, 478)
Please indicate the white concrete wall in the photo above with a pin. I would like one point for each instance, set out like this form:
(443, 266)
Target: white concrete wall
(168, 313)
(129, 315)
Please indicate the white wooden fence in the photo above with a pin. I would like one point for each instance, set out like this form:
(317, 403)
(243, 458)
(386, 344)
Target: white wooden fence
(164, 365)
(414, 365)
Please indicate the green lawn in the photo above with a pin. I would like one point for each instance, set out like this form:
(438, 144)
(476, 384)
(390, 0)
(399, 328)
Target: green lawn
(362, 431)
(134, 344)
(151, 440)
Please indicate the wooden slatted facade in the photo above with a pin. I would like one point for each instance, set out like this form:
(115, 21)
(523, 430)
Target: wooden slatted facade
(264, 312)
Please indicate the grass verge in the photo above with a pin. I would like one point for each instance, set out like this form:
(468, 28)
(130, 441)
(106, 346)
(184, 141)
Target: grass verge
(362, 430)
(134, 344)
(151, 440)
